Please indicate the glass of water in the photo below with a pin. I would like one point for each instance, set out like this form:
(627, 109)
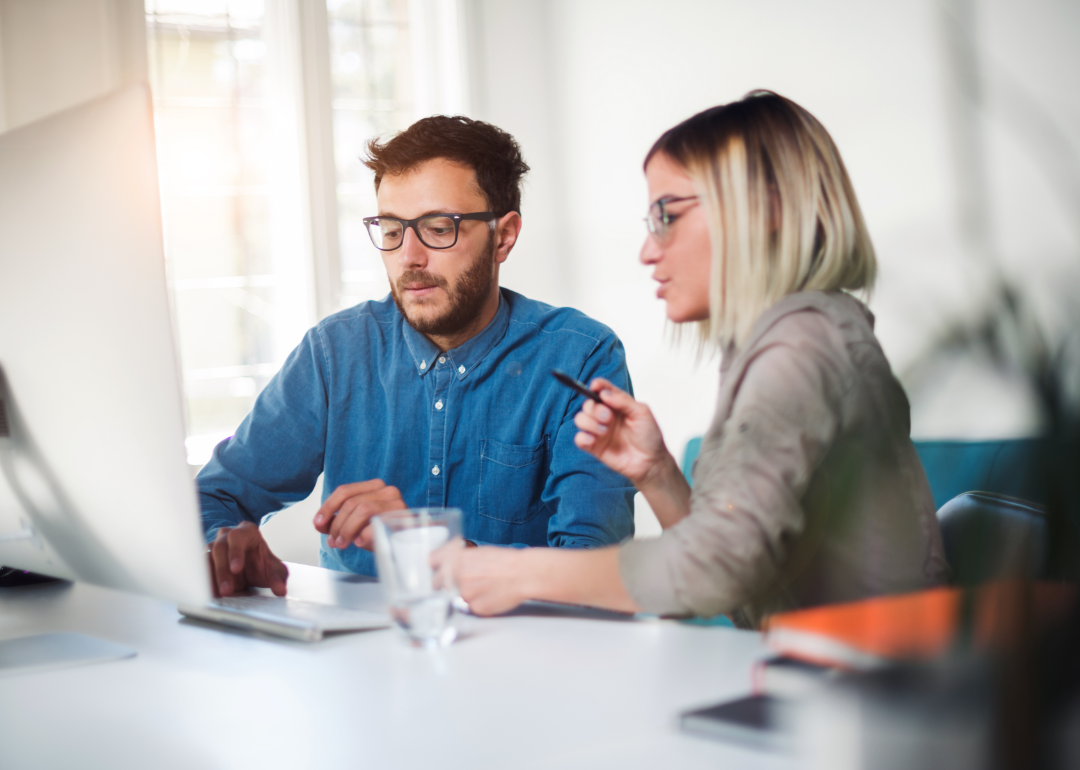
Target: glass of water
(421, 599)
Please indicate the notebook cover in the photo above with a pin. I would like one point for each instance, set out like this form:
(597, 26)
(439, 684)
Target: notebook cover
(919, 625)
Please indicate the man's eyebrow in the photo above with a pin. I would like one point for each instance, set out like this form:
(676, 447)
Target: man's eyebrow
(430, 212)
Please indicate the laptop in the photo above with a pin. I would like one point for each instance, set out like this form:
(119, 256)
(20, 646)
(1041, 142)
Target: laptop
(284, 616)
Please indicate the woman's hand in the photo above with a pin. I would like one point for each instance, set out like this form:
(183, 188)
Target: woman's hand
(622, 433)
(495, 580)
(492, 580)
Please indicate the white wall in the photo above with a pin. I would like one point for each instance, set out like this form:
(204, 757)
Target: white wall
(587, 86)
(55, 54)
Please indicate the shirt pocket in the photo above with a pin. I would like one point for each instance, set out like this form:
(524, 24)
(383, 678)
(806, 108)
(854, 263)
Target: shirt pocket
(511, 480)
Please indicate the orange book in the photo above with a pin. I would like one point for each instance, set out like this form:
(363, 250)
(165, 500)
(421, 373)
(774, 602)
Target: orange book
(919, 625)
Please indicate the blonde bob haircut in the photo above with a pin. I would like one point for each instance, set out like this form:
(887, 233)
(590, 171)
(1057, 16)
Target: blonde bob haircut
(782, 213)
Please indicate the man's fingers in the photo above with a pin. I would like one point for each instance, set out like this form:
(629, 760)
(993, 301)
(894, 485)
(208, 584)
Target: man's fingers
(213, 576)
(240, 541)
(219, 554)
(262, 568)
(343, 512)
(366, 539)
(361, 517)
(324, 517)
(358, 506)
(279, 574)
(355, 513)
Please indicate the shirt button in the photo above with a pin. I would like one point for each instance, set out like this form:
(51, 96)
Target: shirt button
(461, 370)
(423, 364)
(435, 471)
(442, 359)
(438, 404)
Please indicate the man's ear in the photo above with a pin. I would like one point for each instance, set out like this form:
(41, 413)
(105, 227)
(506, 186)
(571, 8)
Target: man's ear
(507, 229)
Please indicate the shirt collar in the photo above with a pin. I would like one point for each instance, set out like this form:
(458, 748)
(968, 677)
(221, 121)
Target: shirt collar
(466, 356)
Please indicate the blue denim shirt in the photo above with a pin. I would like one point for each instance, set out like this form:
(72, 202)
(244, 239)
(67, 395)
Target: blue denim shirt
(483, 427)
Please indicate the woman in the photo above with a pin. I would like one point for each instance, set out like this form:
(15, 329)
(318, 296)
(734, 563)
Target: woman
(807, 489)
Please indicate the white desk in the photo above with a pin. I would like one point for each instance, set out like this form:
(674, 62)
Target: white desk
(514, 692)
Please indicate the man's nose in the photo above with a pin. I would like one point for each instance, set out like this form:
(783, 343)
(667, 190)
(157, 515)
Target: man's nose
(412, 254)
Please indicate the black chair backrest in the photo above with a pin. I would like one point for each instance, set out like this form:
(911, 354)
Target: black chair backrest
(989, 537)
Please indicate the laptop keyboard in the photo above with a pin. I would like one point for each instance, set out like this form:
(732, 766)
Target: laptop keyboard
(325, 616)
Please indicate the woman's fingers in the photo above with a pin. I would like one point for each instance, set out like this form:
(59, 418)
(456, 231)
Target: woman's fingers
(584, 441)
(589, 423)
(597, 411)
(599, 383)
(619, 400)
(487, 579)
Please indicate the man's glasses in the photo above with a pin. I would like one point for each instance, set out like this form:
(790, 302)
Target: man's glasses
(659, 219)
(436, 231)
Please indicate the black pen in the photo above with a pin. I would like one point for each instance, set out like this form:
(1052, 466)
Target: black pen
(574, 385)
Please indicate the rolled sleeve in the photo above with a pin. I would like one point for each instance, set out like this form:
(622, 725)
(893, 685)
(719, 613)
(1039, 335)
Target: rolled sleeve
(594, 505)
(276, 456)
(745, 509)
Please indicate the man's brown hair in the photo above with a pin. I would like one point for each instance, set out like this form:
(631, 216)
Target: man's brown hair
(489, 151)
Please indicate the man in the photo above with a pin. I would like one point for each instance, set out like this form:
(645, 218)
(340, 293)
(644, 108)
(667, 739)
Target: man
(440, 395)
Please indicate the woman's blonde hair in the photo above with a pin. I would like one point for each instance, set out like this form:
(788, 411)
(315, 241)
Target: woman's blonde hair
(783, 216)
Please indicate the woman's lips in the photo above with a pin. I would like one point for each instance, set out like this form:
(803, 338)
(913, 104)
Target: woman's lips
(662, 287)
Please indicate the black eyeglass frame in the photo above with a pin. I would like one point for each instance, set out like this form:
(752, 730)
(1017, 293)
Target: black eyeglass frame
(665, 218)
(481, 216)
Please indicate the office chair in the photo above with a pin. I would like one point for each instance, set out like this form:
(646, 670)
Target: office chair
(988, 536)
(1013, 467)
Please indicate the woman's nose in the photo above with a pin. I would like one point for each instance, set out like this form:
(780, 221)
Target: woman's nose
(650, 251)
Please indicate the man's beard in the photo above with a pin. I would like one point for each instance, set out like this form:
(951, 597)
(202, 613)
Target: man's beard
(466, 298)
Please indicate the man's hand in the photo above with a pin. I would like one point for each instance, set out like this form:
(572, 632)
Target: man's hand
(241, 559)
(344, 516)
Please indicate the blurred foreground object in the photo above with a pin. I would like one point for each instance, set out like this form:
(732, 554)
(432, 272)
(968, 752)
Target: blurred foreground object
(917, 626)
(949, 678)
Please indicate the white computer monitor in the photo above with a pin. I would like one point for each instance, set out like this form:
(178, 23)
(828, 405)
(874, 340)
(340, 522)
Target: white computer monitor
(95, 484)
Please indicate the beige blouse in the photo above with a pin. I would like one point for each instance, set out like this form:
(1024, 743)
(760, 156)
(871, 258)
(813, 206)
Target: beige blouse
(807, 489)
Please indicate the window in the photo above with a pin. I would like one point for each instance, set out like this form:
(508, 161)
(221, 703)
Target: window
(371, 73)
(235, 139)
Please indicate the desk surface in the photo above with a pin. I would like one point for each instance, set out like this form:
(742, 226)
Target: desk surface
(514, 692)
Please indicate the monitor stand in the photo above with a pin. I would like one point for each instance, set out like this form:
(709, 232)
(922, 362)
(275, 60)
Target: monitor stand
(12, 577)
(44, 652)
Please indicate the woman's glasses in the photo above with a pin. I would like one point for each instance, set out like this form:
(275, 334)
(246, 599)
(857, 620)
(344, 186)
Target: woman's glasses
(659, 218)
